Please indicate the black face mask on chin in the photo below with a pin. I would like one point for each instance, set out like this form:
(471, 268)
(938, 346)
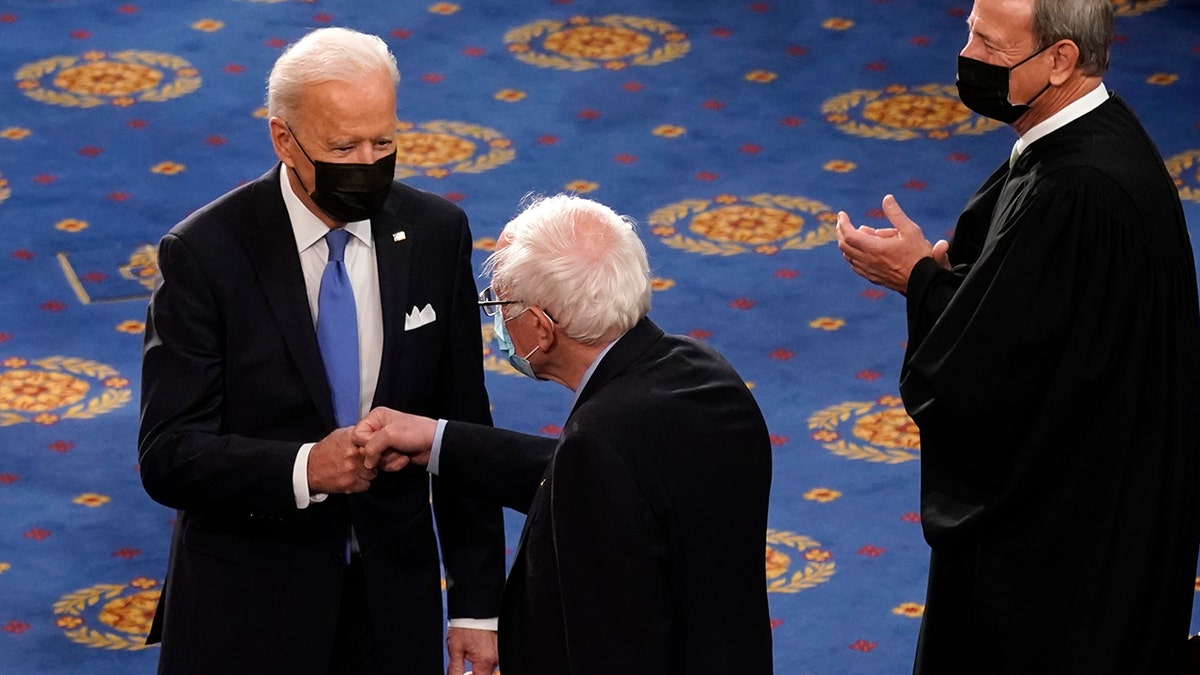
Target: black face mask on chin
(350, 192)
(983, 88)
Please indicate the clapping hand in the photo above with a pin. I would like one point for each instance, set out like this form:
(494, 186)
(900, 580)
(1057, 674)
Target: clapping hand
(886, 256)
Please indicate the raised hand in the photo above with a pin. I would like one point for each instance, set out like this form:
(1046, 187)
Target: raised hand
(886, 256)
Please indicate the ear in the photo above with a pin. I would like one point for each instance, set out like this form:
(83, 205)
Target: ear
(281, 140)
(547, 336)
(1066, 57)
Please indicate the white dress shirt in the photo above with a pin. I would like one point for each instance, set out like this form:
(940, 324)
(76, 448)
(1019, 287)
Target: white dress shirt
(359, 259)
(364, 280)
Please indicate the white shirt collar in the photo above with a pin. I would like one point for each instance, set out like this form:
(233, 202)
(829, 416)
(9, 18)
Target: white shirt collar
(306, 226)
(587, 374)
(1073, 111)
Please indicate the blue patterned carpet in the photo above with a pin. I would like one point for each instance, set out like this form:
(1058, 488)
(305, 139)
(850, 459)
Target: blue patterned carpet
(732, 131)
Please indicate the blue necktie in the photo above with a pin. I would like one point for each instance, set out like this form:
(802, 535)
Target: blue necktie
(337, 330)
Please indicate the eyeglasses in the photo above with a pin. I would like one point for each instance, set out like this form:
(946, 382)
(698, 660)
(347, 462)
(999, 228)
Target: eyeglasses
(490, 304)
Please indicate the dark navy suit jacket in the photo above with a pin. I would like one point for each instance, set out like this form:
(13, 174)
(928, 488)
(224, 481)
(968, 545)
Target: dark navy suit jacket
(233, 384)
(642, 550)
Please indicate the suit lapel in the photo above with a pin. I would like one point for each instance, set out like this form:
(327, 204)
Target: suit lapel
(272, 252)
(393, 254)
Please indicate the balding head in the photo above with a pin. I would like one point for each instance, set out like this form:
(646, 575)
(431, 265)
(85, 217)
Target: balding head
(580, 261)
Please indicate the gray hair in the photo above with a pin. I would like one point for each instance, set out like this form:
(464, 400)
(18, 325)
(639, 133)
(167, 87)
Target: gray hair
(1087, 23)
(578, 260)
(324, 55)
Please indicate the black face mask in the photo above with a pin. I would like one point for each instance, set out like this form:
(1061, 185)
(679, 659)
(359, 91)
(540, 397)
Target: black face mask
(983, 87)
(350, 192)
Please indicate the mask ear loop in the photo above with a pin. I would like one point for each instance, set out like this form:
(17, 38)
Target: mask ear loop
(1014, 67)
(310, 159)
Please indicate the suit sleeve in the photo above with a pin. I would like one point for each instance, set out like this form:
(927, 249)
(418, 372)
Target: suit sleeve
(500, 466)
(470, 530)
(186, 461)
(612, 562)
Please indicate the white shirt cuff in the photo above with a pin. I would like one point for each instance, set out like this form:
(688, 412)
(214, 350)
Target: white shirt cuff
(476, 624)
(435, 453)
(300, 479)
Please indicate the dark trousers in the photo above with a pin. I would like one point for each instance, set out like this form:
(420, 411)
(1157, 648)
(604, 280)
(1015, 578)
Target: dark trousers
(354, 651)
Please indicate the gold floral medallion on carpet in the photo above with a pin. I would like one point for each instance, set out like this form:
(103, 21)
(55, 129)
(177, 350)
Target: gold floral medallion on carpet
(439, 148)
(901, 113)
(1185, 170)
(796, 562)
(109, 616)
(583, 43)
(49, 390)
(875, 431)
(728, 224)
(114, 78)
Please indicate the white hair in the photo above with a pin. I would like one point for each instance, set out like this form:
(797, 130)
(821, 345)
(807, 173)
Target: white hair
(324, 55)
(578, 260)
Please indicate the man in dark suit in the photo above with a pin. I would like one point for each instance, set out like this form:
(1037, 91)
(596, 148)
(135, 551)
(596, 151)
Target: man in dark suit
(642, 550)
(288, 554)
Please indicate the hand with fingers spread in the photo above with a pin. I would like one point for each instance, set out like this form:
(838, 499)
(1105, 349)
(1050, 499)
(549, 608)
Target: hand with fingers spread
(390, 439)
(886, 256)
(335, 465)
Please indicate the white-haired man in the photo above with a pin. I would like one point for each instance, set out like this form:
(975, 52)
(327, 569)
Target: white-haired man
(282, 317)
(643, 542)
(1053, 370)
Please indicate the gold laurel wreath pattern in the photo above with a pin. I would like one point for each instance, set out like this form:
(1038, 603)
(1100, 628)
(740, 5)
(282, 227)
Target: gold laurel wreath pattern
(869, 453)
(1177, 166)
(839, 106)
(1134, 7)
(5, 192)
(829, 418)
(526, 34)
(667, 216)
(497, 156)
(111, 399)
(32, 73)
(813, 573)
(74, 604)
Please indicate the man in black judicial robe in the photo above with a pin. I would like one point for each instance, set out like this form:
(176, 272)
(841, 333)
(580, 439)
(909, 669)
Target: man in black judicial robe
(1053, 374)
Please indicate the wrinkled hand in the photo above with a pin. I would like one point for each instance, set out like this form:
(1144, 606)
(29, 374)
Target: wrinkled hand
(469, 644)
(335, 465)
(390, 439)
(886, 256)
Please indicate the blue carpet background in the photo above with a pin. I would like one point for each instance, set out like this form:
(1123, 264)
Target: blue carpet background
(779, 112)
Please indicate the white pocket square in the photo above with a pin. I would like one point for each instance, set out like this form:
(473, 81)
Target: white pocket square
(419, 317)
